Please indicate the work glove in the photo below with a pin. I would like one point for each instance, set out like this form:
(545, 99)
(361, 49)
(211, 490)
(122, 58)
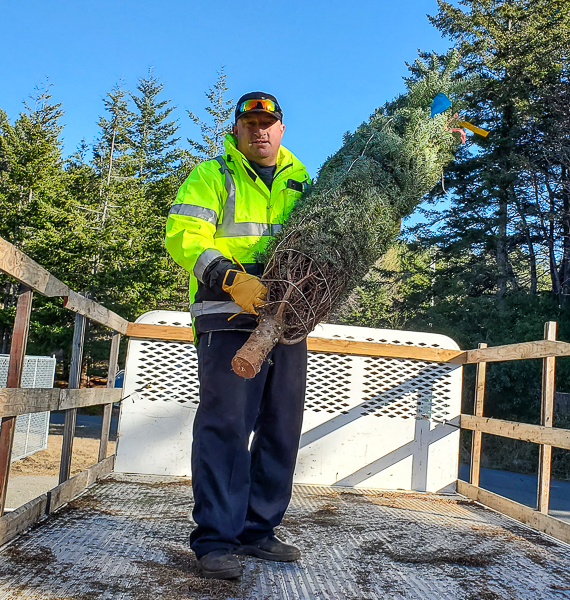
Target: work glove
(246, 290)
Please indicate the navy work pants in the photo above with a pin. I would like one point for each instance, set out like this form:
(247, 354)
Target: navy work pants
(241, 492)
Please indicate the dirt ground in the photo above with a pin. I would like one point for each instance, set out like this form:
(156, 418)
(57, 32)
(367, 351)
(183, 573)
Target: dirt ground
(46, 462)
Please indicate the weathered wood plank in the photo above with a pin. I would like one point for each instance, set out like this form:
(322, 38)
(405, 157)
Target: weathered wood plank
(95, 312)
(184, 334)
(547, 418)
(537, 434)
(71, 488)
(523, 351)
(22, 401)
(26, 515)
(160, 332)
(111, 372)
(479, 406)
(17, 521)
(375, 349)
(538, 349)
(88, 397)
(24, 269)
(15, 368)
(535, 519)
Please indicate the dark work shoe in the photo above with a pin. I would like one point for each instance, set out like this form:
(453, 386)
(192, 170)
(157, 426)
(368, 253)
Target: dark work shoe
(271, 548)
(220, 564)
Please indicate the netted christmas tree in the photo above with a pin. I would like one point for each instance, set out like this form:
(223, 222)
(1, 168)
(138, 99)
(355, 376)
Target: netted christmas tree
(348, 219)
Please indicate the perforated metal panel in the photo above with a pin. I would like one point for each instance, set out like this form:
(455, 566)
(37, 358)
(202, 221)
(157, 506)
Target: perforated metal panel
(168, 379)
(31, 430)
(406, 389)
(368, 421)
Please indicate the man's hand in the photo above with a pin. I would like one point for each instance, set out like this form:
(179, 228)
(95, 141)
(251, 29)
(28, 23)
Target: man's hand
(246, 290)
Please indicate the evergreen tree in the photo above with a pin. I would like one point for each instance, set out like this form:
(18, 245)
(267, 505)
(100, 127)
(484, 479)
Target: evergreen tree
(151, 134)
(498, 213)
(139, 166)
(36, 212)
(111, 153)
(213, 133)
(497, 253)
(97, 224)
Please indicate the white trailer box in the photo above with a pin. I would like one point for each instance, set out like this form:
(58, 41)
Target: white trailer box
(369, 421)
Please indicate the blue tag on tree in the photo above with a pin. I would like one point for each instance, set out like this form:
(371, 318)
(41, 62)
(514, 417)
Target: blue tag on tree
(440, 103)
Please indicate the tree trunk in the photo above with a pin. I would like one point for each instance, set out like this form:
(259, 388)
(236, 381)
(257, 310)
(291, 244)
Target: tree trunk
(249, 358)
(531, 252)
(501, 248)
(554, 272)
(565, 260)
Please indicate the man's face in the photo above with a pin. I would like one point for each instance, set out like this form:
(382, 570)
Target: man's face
(259, 137)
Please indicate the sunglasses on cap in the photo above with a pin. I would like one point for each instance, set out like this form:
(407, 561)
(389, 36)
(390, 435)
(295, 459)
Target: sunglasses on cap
(259, 104)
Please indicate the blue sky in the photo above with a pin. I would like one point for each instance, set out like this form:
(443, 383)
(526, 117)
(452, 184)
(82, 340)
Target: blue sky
(330, 63)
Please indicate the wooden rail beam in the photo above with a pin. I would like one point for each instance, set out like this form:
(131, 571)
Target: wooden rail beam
(545, 523)
(547, 419)
(184, 334)
(17, 521)
(15, 368)
(87, 397)
(95, 312)
(160, 332)
(523, 351)
(24, 269)
(526, 350)
(71, 488)
(22, 401)
(476, 442)
(16, 264)
(537, 434)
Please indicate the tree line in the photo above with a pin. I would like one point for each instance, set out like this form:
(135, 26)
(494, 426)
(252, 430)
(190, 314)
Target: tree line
(96, 219)
(490, 261)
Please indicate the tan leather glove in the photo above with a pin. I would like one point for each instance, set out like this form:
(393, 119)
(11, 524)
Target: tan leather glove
(246, 290)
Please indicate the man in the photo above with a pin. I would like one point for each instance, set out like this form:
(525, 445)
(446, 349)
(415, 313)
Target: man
(223, 217)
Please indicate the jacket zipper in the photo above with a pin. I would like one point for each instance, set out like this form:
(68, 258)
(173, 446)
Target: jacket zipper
(269, 199)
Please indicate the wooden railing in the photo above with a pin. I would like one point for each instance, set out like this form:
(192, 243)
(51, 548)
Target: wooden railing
(15, 401)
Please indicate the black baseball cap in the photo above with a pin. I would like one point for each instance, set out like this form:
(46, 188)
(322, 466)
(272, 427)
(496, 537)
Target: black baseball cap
(265, 103)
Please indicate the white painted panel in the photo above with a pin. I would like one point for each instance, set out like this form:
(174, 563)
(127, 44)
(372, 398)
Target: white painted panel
(368, 421)
(160, 393)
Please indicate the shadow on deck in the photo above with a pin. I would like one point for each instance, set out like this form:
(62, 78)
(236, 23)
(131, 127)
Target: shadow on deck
(126, 538)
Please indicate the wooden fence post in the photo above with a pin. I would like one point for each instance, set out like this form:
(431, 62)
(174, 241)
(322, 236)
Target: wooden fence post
(546, 419)
(15, 368)
(74, 381)
(107, 411)
(479, 405)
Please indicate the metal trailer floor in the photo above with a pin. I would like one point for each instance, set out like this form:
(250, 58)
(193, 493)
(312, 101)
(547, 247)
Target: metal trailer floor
(126, 538)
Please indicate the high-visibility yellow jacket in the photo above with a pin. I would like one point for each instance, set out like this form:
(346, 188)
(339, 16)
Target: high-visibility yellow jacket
(223, 209)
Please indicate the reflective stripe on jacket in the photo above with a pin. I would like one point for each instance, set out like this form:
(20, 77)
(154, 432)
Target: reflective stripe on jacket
(223, 209)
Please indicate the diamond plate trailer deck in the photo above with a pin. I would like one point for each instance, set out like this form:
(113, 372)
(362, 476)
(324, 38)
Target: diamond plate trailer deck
(126, 538)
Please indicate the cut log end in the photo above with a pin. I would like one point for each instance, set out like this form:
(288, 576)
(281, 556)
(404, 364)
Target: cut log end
(243, 368)
(249, 358)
